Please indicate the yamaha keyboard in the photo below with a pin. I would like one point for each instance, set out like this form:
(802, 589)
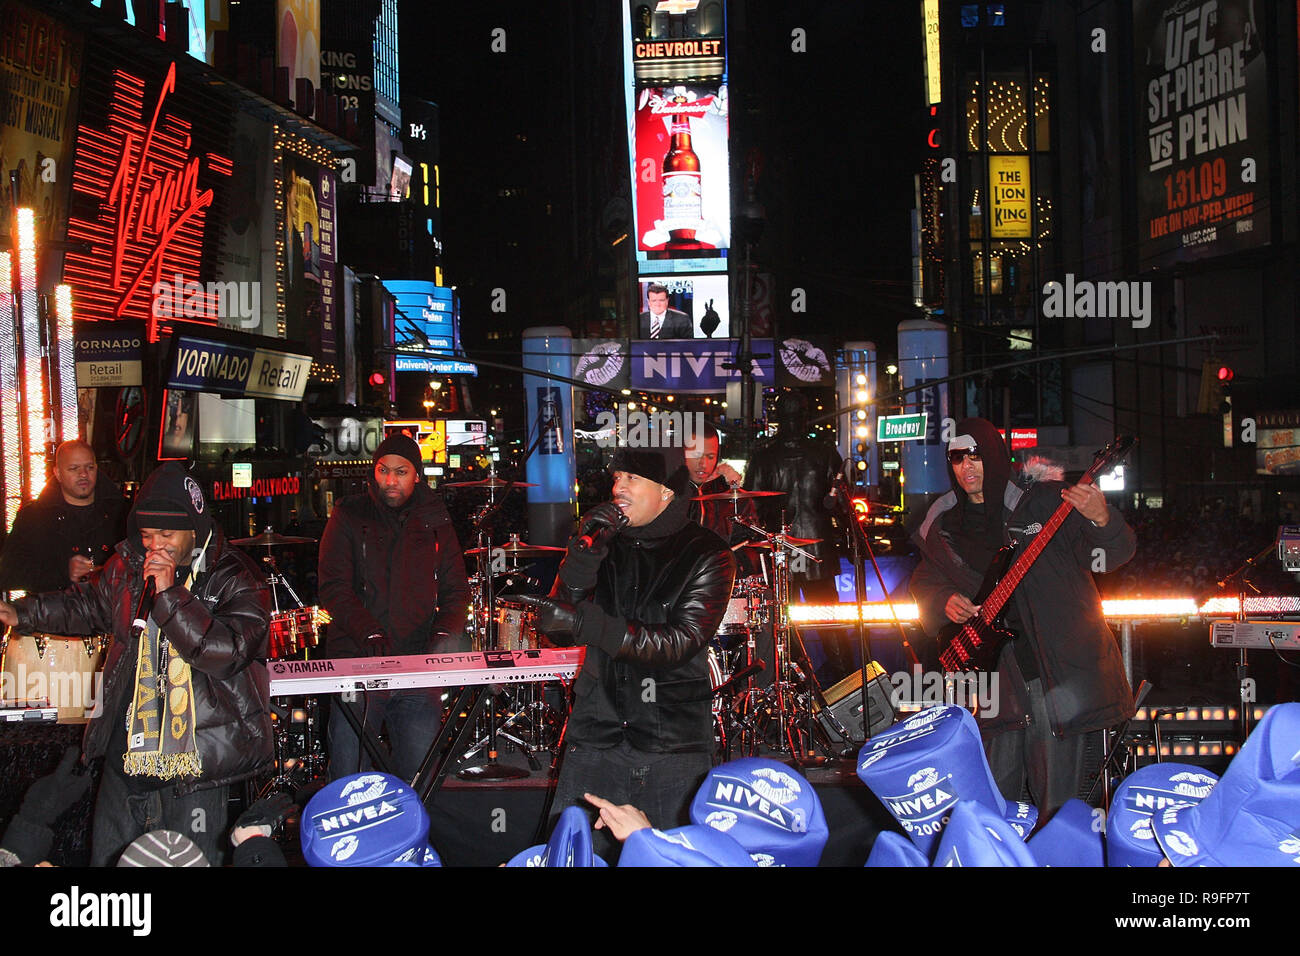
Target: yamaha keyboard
(341, 674)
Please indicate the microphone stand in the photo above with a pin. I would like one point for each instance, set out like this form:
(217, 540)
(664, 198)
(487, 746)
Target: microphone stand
(493, 769)
(861, 542)
(1243, 664)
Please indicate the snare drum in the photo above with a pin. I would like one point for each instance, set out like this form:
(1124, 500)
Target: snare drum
(516, 630)
(51, 670)
(294, 630)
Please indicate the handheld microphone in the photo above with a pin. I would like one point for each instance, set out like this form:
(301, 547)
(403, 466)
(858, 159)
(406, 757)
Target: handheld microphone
(144, 607)
(594, 537)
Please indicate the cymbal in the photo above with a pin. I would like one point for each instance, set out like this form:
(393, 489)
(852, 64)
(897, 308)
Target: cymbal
(736, 494)
(780, 540)
(495, 484)
(522, 548)
(270, 539)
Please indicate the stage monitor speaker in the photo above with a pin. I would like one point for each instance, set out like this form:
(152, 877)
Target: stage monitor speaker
(842, 710)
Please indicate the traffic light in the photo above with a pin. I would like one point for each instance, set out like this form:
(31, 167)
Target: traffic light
(1225, 375)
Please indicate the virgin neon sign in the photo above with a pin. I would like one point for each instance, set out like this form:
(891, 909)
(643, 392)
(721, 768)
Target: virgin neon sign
(144, 180)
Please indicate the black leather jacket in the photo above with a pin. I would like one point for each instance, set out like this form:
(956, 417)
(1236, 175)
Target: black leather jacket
(663, 590)
(44, 536)
(219, 625)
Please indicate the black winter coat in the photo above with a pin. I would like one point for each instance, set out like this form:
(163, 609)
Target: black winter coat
(218, 625)
(645, 677)
(42, 540)
(404, 578)
(1077, 656)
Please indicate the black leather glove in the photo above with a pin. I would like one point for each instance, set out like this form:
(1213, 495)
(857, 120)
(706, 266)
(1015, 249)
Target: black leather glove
(50, 795)
(559, 620)
(601, 523)
(378, 644)
(267, 812)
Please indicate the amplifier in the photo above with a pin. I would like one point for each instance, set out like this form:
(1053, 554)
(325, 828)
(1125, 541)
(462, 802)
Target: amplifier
(842, 713)
(1276, 635)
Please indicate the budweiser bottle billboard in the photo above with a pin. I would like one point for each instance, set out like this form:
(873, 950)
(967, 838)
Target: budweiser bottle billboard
(683, 203)
(682, 182)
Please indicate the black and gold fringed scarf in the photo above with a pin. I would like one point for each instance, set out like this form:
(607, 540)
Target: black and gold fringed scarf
(161, 738)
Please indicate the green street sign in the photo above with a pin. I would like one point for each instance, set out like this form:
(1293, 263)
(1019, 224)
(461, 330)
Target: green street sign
(901, 427)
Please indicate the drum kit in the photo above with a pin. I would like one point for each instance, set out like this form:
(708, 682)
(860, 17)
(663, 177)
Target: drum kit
(519, 716)
(295, 630)
(776, 714)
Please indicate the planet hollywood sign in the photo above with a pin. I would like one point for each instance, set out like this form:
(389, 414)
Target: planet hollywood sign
(260, 488)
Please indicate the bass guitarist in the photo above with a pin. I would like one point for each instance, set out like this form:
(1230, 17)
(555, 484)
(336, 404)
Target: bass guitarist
(1063, 676)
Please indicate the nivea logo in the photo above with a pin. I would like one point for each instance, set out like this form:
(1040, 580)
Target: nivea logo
(1148, 801)
(750, 802)
(925, 718)
(929, 797)
(355, 817)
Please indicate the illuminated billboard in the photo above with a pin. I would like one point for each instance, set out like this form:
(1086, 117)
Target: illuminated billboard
(683, 307)
(148, 174)
(683, 185)
(426, 316)
(1201, 85)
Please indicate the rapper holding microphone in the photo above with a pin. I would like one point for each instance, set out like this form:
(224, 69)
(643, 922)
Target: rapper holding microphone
(644, 588)
(183, 711)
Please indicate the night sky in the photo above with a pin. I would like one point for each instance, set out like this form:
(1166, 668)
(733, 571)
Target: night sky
(840, 128)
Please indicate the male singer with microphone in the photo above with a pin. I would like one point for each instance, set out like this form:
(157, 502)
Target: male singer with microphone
(184, 709)
(644, 588)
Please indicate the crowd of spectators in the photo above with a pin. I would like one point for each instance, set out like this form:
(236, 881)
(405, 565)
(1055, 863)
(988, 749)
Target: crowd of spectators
(1188, 551)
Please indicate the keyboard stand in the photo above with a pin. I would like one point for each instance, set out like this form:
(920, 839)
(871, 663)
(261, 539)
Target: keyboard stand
(429, 778)
(378, 759)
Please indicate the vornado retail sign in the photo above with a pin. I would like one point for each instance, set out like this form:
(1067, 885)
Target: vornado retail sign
(108, 356)
(237, 370)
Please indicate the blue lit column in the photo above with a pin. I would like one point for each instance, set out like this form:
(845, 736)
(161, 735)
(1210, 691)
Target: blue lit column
(923, 357)
(552, 466)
